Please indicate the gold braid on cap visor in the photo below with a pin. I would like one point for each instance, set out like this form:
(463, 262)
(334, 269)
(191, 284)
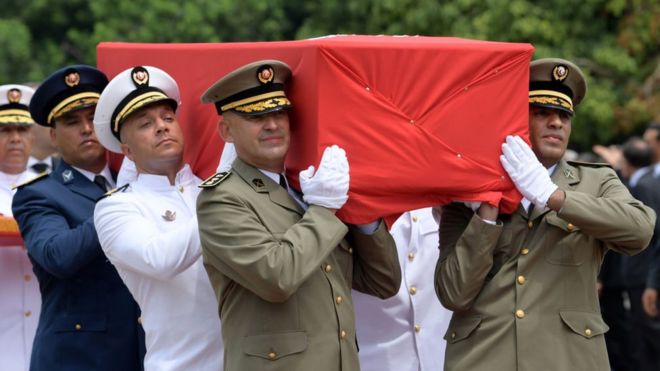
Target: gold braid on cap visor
(15, 116)
(135, 103)
(248, 104)
(551, 97)
(77, 100)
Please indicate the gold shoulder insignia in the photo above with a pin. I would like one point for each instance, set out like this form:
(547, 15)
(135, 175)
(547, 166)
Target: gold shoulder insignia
(30, 181)
(215, 179)
(589, 164)
(113, 191)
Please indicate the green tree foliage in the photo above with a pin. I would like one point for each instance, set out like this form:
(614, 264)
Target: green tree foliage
(616, 42)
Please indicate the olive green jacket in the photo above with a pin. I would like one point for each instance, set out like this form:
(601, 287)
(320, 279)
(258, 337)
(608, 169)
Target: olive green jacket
(283, 276)
(524, 291)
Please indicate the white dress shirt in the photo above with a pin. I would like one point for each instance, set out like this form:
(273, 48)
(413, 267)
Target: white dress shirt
(20, 299)
(149, 232)
(405, 332)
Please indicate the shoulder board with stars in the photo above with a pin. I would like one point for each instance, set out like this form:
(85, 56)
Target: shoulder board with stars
(113, 191)
(30, 181)
(215, 179)
(589, 164)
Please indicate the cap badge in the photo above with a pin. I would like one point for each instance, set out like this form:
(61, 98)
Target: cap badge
(169, 215)
(72, 79)
(265, 74)
(258, 182)
(14, 95)
(140, 76)
(560, 72)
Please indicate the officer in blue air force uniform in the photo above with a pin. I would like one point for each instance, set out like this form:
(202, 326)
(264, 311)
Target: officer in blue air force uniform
(89, 320)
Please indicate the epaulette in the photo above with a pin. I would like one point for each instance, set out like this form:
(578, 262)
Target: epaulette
(30, 181)
(589, 164)
(113, 191)
(215, 179)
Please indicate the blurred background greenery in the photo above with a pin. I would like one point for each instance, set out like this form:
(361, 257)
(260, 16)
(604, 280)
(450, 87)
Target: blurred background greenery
(616, 42)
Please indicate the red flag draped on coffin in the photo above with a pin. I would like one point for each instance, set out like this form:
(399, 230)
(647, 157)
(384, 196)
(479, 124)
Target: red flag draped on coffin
(421, 118)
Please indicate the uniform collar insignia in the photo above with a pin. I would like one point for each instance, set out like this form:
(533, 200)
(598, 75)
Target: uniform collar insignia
(169, 215)
(67, 176)
(569, 173)
(258, 182)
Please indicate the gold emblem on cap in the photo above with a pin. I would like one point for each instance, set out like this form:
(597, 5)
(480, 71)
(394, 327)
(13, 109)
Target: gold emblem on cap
(560, 72)
(266, 75)
(14, 95)
(140, 76)
(72, 79)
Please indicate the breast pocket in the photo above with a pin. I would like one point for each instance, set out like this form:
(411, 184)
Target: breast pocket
(275, 346)
(462, 328)
(563, 242)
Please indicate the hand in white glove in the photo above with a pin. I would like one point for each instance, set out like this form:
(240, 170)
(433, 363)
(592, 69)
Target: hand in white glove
(530, 177)
(227, 157)
(328, 187)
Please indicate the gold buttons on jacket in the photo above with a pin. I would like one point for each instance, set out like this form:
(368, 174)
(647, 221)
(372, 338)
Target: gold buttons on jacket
(411, 256)
(27, 278)
(412, 290)
(530, 224)
(350, 250)
(453, 335)
(339, 299)
(570, 227)
(587, 332)
(28, 313)
(272, 355)
(181, 188)
(418, 328)
(521, 280)
(520, 313)
(343, 334)
(415, 219)
(328, 268)
(524, 251)
(77, 327)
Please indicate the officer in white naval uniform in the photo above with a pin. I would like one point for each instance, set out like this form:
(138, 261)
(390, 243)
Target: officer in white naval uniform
(405, 332)
(148, 228)
(20, 299)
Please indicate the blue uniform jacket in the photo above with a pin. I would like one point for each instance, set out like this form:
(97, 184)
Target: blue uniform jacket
(89, 320)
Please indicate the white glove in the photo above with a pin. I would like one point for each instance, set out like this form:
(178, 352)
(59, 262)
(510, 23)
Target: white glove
(227, 157)
(329, 186)
(530, 177)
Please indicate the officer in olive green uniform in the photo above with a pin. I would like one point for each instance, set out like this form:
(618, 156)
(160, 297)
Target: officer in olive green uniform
(282, 265)
(523, 286)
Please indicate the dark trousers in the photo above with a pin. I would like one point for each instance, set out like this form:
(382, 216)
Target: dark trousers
(645, 334)
(617, 339)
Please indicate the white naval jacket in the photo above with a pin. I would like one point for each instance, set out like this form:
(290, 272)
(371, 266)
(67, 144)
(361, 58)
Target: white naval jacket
(149, 232)
(20, 299)
(405, 332)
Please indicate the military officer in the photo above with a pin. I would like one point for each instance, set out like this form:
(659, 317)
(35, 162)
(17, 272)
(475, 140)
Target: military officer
(282, 265)
(148, 228)
(523, 286)
(19, 307)
(88, 318)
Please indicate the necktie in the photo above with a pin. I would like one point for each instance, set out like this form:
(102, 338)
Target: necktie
(39, 167)
(283, 182)
(100, 181)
